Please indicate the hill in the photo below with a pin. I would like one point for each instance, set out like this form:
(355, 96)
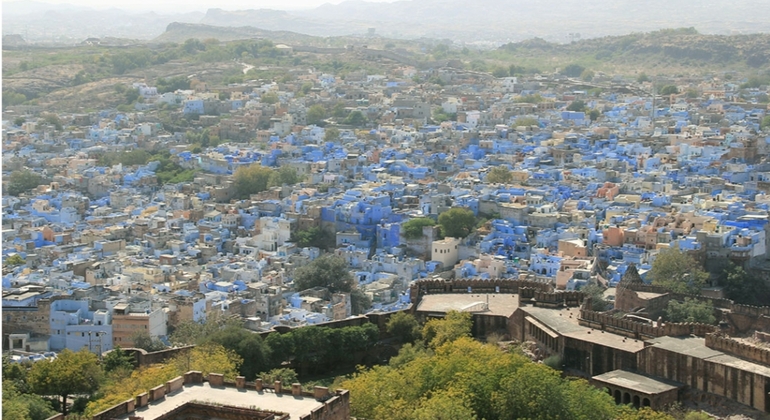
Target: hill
(661, 52)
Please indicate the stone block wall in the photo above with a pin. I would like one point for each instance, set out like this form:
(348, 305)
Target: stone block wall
(736, 348)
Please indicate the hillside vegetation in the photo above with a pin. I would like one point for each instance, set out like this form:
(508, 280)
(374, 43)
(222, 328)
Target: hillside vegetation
(83, 77)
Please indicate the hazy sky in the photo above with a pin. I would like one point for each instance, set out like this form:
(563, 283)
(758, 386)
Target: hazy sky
(202, 5)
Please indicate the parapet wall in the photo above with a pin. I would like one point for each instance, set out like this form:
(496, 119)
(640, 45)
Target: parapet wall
(144, 358)
(512, 286)
(550, 299)
(336, 406)
(739, 349)
(641, 331)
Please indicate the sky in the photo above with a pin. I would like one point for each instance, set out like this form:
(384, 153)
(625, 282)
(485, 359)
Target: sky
(197, 5)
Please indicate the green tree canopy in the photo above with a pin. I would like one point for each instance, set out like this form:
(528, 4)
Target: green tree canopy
(70, 373)
(457, 222)
(453, 326)
(765, 124)
(412, 228)
(573, 70)
(526, 122)
(314, 236)
(669, 90)
(404, 327)
(598, 303)
(744, 288)
(251, 179)
(23, 181)
(14, 260)
(316, 114)
(466, 379)
(577, 106)
(330, 271)
(269, 98)
(285, 175)
(172, 84)
(117, 359)
(356, 119)
(499, 175)
(360, 302)
(331, 134)
(690, 310)
(678, 272)
(142, 340)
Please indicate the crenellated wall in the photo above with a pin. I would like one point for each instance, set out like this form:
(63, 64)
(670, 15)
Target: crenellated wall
(737, 348)
(422, 287)
(638, 330)
(336, 406)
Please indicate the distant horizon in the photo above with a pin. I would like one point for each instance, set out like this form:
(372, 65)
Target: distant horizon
(177, 6)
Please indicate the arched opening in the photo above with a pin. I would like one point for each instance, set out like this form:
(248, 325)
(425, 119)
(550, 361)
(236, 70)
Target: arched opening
(636, 401)
(617, 396)
(646, 402)
(626, 398)
(609, 391)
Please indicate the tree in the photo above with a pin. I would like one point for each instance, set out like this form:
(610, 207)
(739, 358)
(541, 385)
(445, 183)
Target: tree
(678, 272)
(23, 181)
(742, 287)
(577, 106)
(249, 346)
(404, 327)
(14, 260)
(331, 134)
(500, 71)
(316, 114)
(526, 122)
(356, 119)
(285, 375)
(412, 228)
(269, 98)
(18, 121)
(596, 292)
(765, 122)
(533, 392)
(330, 271)
(573, 70)
(594, 114)
(314, 237)
(360, 302)
(142, 340)
(499, 175)
(453, 326)
(20, 406)
(117, 359)
(338, 111)
(642, 78)
(285, 175)
(457, 222)
(691, 310)
(70, 373)
(669, 90)
(587, 75)
(251, 179)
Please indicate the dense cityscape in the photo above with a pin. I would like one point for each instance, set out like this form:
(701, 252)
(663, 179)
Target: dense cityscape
(271, 233)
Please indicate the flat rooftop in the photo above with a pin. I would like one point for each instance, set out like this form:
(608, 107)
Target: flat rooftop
(296, 407)
(636, 382)
(500, 304)
(696, 347)
(565, 322)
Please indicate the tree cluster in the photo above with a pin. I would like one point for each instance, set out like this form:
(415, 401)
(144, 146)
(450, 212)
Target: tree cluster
(463, 379)
(678, 272)
(256, 178)
(23, 181)
(320, 349)
(412, 228)
(457, 222)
